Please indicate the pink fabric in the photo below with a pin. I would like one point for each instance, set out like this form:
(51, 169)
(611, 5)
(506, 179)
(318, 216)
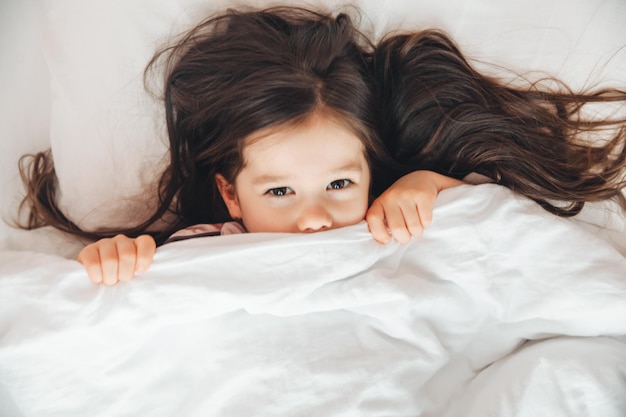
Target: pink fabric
(228, 228)
(475, 178)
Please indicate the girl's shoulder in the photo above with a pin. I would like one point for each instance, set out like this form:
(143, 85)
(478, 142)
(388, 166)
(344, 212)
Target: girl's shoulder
(201, 230)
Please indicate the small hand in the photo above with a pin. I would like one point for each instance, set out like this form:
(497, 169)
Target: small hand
(405, 208)
(112, 260)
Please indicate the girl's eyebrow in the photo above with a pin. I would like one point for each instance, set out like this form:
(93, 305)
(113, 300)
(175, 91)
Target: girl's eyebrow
(266, 179)
(351, 167)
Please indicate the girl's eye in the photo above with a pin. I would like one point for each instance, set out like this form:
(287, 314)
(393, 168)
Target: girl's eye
(338, 184)
(279, 191)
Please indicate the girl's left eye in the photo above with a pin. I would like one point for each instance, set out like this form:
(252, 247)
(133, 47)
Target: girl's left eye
(338, 184)
(279, 191)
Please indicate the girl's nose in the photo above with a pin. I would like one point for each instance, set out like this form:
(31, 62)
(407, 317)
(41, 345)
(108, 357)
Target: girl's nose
(314, 218)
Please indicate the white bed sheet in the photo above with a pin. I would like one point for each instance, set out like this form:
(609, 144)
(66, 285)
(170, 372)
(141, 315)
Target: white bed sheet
(320, 325)
(330, 323)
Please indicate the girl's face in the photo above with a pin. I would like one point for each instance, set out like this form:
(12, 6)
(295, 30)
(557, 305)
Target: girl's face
(306, 178)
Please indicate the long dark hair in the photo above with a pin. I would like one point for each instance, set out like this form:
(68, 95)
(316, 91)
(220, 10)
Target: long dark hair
(227, 78)
(243, 71)
(436, 112)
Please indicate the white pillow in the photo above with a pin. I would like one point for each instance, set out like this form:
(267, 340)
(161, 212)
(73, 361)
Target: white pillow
(106, 131)
(107, 134)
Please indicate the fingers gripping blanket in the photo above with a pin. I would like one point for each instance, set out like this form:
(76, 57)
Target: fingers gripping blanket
(498, 309)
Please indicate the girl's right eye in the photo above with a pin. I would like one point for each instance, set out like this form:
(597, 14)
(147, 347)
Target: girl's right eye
(279, 191)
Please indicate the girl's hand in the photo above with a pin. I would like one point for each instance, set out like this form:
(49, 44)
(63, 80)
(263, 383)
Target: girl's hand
(109, 261)
(406, 207)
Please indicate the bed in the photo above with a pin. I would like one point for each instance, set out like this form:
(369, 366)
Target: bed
(499, 309)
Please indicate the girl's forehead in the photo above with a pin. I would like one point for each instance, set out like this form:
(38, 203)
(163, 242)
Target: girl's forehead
(316, 135)
(318, 148)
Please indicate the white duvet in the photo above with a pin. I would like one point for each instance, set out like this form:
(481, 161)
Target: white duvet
(500, 309)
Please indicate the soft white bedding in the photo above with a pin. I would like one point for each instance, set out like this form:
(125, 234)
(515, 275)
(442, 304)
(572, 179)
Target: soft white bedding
(500, 309)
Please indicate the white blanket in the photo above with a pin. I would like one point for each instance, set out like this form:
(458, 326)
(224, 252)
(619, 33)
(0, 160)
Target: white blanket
(500, 309)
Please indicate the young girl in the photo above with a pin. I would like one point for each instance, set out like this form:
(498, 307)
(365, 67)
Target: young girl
(270, 121)
(275, 120)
